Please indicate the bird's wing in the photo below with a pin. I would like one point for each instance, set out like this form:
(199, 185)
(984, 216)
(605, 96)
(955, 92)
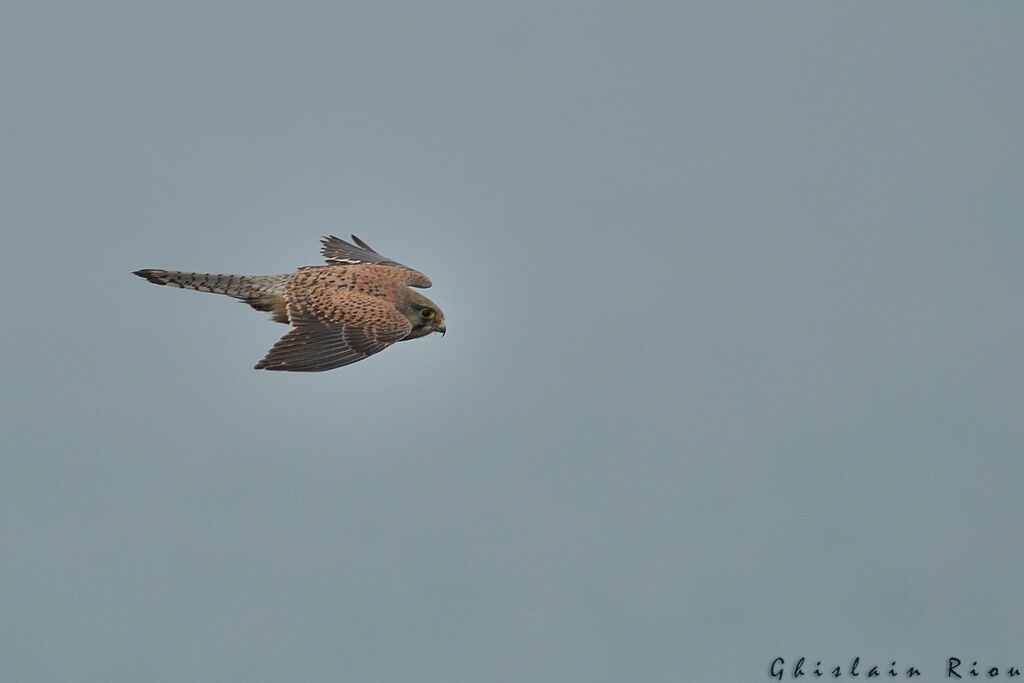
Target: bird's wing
(334, 328)
(338, 252)
(317, 344)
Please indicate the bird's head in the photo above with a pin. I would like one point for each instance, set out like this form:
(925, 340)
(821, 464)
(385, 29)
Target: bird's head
(423, 314)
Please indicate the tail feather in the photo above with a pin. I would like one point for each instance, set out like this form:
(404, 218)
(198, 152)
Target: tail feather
(262, 292)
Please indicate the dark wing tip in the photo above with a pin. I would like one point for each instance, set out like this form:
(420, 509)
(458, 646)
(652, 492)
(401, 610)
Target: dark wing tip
(362, 244)
(326, 240)
(266, 364)
(339, 252)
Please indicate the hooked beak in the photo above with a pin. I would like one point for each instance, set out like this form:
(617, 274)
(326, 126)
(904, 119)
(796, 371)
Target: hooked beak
(439, 327)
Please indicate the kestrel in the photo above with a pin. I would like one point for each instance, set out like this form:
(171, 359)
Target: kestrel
(358, 304)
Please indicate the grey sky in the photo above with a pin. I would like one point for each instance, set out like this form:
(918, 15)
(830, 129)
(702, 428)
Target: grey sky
(733, 366)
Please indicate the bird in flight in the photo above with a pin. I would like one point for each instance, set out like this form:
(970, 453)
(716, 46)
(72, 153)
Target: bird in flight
(356, 305)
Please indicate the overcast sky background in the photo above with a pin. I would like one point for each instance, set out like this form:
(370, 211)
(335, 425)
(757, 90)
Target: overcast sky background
(733, 371)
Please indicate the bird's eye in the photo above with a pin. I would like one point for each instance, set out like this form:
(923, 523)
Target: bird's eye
(427, 313)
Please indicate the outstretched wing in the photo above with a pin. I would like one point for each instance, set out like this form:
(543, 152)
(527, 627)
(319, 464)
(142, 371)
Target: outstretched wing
(318, 344)
(338, 252)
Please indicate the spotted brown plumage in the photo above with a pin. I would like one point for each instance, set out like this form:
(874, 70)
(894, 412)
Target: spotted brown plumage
(355, 306)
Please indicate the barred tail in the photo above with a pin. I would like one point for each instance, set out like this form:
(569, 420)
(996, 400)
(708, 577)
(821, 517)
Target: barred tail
(262, 292)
